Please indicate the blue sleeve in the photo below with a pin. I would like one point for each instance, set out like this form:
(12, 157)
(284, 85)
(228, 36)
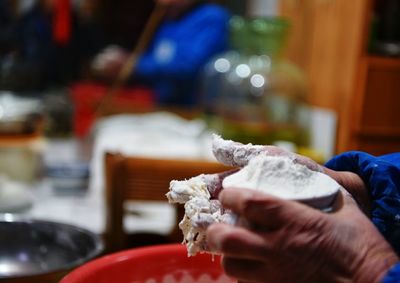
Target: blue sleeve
(202, 34)
(393, 276)
(382, 178)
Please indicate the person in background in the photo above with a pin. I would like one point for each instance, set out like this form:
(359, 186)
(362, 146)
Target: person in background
(290, 242)
(189, 35)
(54, 40)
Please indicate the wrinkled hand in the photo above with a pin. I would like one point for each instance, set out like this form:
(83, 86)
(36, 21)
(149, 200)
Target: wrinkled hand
(238, 155)
(199, 217)
(109, 62)
(286, 241)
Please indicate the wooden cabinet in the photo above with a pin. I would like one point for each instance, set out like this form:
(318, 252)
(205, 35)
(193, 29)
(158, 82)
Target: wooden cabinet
(377, 122)
(329, 41)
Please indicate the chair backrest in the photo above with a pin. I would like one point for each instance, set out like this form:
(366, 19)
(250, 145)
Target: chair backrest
(134, 178)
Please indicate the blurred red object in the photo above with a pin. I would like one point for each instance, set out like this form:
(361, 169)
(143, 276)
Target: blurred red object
(62, 22)
(87, 96)
(161, 263)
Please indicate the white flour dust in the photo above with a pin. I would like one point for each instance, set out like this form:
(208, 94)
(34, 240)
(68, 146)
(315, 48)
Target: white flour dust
(281, 177)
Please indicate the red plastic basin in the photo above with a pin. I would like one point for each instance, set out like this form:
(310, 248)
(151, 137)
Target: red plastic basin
(154, 264)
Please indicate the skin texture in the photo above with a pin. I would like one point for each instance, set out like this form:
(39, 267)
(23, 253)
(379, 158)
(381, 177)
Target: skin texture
(285, 241)
(354, 185)
(277, 240)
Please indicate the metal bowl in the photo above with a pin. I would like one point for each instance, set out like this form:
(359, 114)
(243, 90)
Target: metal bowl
(30, 250)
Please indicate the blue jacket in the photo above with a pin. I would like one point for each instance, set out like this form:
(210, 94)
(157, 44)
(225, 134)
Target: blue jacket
(179, 50)
(382, 177)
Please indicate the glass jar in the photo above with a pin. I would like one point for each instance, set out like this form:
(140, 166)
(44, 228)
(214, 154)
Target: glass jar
(252, 94)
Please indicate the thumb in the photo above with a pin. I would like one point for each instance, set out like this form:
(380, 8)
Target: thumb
(345, 203)
(264, 210)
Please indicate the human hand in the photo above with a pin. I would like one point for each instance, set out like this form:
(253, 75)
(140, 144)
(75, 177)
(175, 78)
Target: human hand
(200, 193)
(108, 63)
(286, 241)
(232, 154)
(237, 154)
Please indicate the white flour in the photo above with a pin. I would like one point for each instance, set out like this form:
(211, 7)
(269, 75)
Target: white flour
(281, 177)
(264, 170)
(200, 210)
(233, 153)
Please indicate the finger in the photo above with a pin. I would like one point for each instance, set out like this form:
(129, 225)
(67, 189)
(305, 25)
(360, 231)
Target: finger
(234, 153)
(308, 162)
(264, 210)
(345, 203)
(238, 155)
(353, 185)
(236, 242)
(243, 269)
(214, 182)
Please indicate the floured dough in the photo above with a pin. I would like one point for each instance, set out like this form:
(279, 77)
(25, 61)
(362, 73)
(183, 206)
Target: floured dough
(200, 211)
(263, 170)
(281, 177)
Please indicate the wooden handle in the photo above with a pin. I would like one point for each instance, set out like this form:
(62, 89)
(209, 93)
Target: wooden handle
(130, 65)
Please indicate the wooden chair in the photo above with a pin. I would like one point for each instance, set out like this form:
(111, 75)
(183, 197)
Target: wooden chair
(134, 178)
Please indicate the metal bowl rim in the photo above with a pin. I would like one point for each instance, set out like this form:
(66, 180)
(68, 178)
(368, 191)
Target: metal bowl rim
(99, 245)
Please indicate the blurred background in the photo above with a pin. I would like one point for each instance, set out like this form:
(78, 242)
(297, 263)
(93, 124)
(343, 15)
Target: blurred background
(92, 89)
